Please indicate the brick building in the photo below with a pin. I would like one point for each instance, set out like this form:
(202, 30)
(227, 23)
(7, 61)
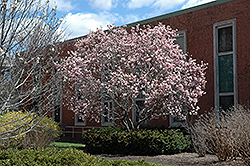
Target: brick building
(217, 33)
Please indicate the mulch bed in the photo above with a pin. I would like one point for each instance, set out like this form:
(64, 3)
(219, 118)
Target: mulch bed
(182, 159)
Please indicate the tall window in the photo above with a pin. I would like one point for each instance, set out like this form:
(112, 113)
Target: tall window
(79, 120)
(37, 88)
(225, 64)
(108, 113)
(57, 98)
(181, 40)
(57, 113)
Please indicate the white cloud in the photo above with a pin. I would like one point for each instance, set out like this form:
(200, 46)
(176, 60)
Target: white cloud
(159, 5)
(129, 18)
(103, 4)
(191, 3)
(164, 5)
(81, 23)
(139, 3)
(62, 5)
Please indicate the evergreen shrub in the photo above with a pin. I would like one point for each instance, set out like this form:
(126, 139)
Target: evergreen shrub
(51, 157)
(112, 140)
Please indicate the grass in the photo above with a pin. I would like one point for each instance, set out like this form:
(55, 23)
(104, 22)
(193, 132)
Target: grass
(65, 145)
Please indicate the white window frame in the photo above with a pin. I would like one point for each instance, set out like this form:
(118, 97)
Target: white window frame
(172, 122)
(110, 123)
(216, 26)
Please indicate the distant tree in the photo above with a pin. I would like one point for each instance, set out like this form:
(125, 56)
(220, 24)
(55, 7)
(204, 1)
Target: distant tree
(28, 80)
(132, 77)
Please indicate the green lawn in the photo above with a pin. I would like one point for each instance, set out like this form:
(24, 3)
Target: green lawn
(65, 145)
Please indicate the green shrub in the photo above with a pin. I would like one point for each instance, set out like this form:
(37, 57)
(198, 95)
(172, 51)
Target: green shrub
(45, 131)
(50, 157)
(140, 142)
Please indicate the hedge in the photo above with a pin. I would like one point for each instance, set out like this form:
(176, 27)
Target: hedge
(112, 140)
(67, 157)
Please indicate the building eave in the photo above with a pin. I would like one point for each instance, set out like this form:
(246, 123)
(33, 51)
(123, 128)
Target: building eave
(179, 12)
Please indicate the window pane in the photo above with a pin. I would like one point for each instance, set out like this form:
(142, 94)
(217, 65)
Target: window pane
(57, 113)
(139, 107)
(178, 119)
(180, 41)
(225, 39)
(80, 119)
(226, 83)
(140, 104)
(107, 112)
(226, 102)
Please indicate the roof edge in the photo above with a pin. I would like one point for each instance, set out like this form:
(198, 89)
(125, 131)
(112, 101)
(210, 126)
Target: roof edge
(161, 17)
(179, 12)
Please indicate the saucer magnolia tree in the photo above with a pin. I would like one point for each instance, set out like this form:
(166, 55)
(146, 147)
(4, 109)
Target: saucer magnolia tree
(132, 76)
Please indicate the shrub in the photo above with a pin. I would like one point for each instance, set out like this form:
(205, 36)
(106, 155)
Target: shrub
(226, 134)
(59, 157)
(140, 142)
(45, 132)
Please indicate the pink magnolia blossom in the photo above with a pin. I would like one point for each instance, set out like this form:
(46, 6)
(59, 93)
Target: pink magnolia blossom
(122, 66)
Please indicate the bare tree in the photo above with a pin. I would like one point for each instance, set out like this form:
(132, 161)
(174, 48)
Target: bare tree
(29, 30)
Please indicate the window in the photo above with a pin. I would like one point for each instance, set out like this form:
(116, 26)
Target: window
(78, 117)
(79, 120)
(225, 64)
(57, 113)
(182, 41)
(37, 88)
(57, 95)
(138, 109)
(107, 119)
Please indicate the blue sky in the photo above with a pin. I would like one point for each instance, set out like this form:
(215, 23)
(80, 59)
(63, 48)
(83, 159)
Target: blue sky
(81, 16)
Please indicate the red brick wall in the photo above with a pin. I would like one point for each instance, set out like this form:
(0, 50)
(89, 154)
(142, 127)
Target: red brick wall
(199, 27)
(68, 116)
